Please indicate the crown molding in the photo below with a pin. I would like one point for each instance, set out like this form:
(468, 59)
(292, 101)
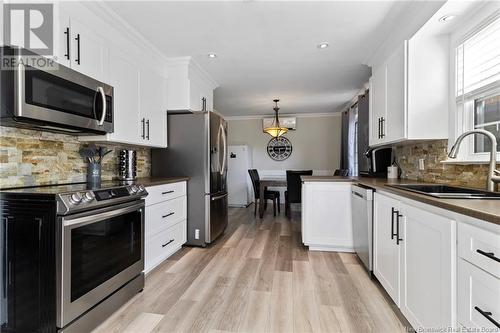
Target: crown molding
(102, 9)
(297, 115)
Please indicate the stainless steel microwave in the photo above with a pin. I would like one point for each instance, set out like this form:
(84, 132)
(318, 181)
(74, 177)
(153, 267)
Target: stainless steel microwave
(54, 98)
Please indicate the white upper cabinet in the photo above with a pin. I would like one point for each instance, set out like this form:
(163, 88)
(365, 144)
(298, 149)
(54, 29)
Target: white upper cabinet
(410, 92)
(394, 125)
(377, 105)
(189, 86)
(153, 108)
(89, 51)
(77, 45)
(62, 40)
(124, 77)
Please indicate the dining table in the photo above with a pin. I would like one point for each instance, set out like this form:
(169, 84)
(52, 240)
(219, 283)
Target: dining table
(269, 182)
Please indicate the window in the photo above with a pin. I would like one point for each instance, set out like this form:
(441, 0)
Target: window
(478, 85)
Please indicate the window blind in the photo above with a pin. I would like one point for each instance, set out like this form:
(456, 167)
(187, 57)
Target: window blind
(478, 60)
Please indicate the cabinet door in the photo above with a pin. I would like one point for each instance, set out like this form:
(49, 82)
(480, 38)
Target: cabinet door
(378, 106)
(386, 253)
(62, 35)
(195, 95)
(125, 80)
(395, 125)
(28, 267)
(89, 52)
(326, 215)
(152, 93)
(428, 280)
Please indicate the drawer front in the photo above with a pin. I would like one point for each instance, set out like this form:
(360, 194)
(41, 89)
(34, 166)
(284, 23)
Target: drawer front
(162, 245)
(478, 292)
(165, 192)
(479, 247)
(163, 215)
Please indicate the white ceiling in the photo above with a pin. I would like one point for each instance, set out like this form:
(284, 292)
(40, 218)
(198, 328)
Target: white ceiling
(267, 50)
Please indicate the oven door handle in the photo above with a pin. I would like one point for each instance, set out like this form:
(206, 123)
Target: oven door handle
(104, 106)
(94, 218)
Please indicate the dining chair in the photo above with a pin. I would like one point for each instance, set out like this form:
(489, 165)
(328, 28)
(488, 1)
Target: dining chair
(268, 195)
(293, 193)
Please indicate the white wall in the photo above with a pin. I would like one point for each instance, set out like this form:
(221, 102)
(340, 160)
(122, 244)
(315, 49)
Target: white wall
(315, 142)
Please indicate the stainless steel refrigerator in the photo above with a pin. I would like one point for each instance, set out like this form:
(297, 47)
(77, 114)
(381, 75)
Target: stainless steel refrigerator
(197, 148)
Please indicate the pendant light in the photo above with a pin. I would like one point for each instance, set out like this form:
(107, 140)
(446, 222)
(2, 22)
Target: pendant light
(275, 130)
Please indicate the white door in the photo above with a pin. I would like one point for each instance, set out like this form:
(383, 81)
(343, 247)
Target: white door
(386, 253)
(125, 80)
(395, 126)
(152, 96)
(427, 278)
(89, 51)
(378, 104)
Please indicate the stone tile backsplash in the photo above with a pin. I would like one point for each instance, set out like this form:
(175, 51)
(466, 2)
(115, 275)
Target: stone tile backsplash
(30, 157)
(433, 152)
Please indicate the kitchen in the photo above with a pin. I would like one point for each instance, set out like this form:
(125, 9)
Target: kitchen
(126, 189)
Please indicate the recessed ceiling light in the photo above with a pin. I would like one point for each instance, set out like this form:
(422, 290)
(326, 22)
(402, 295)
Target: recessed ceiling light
(212, 55)
(323, 45)
(446, 18)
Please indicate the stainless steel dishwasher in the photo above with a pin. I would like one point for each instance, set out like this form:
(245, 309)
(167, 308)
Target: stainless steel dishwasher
(362, 224)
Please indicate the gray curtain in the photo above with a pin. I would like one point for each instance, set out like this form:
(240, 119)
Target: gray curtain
(344, 148)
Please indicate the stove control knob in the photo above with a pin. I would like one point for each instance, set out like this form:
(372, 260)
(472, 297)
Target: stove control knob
(134, 189)
(88, 196)
(141, 188)
(75, 199)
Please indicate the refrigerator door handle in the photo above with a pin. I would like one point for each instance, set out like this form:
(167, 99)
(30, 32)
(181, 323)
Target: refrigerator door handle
(224, 156)
(219, 197)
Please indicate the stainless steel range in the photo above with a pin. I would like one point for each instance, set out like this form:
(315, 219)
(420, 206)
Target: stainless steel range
(99, 253)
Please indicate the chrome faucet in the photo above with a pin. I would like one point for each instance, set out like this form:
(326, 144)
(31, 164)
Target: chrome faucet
(493, 174)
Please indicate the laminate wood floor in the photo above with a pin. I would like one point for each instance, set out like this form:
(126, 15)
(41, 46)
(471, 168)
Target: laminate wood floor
(257, 278)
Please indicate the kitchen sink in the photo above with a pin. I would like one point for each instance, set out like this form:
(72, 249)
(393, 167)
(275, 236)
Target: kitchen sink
(448, 192)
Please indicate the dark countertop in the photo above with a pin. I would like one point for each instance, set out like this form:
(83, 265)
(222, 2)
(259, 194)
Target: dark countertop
(153, 181)
(487, 210)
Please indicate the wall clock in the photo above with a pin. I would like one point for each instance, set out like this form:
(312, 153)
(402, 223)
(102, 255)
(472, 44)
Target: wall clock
(279, 149)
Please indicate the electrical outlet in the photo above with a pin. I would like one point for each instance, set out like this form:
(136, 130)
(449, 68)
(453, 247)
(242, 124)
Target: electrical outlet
(421, 164)
(197, 234)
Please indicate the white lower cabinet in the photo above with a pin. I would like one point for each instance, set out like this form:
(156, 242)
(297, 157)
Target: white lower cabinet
(478, 278)
(326, 216)
(414, 256)
(165, 226)
(427, 271)
(478, 298)
(386, 253)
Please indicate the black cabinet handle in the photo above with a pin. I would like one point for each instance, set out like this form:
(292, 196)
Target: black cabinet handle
(67, 43)
(170, 241)
(392, 222)
(379, 135)
(147, 129)
(143, 134)
(77, 38)
(397, 227)
(382, 127)
(168, 192)
(488, 316)
(169, 214)
(490, 255)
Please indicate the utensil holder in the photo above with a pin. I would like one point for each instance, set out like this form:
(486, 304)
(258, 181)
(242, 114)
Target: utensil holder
(94, 173)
